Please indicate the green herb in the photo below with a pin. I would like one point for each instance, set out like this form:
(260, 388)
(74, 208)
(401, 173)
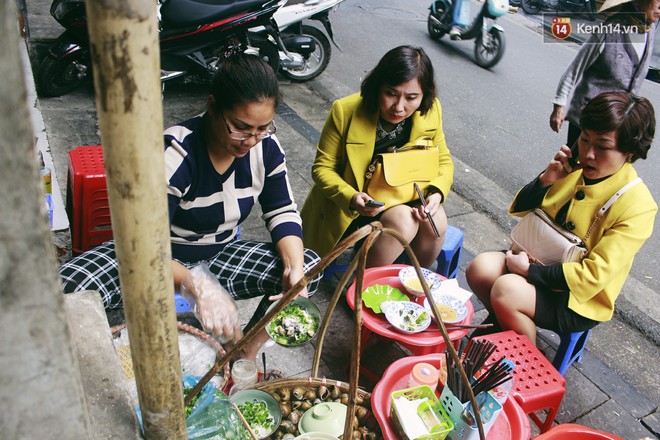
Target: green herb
(293, 326)
(191, 405)
(256, 414)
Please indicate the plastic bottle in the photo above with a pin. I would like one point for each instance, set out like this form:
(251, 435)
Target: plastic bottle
(424, 374)
(244, 373)
(45, 175)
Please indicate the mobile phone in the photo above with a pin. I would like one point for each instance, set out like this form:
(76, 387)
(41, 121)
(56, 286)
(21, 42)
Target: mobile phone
(375, 203)
(573, 160)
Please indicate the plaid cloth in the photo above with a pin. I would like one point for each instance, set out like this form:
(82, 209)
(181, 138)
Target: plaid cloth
(247, 269)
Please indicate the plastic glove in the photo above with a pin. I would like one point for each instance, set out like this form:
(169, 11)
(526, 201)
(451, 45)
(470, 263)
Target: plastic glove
(212, 304)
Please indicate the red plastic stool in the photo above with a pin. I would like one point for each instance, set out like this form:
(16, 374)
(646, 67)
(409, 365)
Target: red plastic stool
(537, 385)
(87, 199)
(576, 432)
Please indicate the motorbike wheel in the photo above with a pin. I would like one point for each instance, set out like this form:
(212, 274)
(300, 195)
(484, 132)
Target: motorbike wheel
(269, 53)
(434, 32)
(317, 61)
(488, 51)
(531, 7)
(57, 77)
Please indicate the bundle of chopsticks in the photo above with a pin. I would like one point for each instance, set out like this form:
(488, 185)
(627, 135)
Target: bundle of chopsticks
(473, 359)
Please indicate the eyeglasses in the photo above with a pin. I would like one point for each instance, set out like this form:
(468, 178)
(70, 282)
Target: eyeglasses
(242, 136)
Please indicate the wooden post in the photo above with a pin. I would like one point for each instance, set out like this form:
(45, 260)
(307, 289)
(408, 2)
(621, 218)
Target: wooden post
(41, 393)
(126, 65)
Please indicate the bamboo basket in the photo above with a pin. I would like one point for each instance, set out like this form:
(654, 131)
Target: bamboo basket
(357, 421)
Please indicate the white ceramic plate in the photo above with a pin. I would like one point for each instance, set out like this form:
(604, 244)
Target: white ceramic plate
(446, 302)
(412, 283)
(406, 316)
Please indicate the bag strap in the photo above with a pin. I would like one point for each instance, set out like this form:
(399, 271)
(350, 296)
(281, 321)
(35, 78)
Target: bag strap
(601, 212)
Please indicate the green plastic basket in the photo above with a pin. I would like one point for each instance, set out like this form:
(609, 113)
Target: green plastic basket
(420, 392)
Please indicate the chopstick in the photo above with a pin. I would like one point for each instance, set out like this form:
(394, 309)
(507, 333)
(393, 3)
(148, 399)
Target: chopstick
(450, 326)
(428, 214)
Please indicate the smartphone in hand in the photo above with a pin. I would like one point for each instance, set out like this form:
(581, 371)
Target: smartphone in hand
(374, 204)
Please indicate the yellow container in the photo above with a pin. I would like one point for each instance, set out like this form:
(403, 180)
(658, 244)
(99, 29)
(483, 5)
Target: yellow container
(431, 414)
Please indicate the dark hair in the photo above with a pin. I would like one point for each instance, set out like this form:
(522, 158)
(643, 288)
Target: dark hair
(243, 78)
(399, 65)
(631, 116)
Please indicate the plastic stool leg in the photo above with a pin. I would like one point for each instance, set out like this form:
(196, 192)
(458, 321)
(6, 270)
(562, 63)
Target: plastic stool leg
(450, 256)
(570, 350)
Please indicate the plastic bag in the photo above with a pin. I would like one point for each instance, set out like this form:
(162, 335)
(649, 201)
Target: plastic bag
(212, 415)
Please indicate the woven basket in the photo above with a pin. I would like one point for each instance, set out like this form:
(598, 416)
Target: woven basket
(354, 427)
(365, 424)
(127, 363)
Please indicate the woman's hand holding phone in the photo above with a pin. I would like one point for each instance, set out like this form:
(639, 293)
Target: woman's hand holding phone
(365, 205)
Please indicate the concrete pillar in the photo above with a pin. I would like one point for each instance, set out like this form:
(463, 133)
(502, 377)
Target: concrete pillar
(40, 387)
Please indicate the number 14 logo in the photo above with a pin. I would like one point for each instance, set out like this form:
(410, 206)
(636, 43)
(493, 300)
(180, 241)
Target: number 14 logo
(561, 27)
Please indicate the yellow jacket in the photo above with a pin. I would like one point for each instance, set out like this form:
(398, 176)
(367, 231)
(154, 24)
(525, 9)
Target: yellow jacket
(344, 151)
(596, 281)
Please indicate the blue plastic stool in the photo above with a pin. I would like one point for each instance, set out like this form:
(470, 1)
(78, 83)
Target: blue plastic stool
(449, 259)
(334, 267)
(570, 349)
(181, 303)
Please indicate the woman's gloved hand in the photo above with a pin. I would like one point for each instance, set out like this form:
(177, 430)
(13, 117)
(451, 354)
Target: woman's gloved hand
(213, 306)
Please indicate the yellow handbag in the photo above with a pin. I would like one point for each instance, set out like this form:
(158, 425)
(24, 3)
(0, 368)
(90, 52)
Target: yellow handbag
(390, 177)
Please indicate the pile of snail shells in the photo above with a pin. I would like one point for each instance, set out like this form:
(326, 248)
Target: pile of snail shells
(294, 401)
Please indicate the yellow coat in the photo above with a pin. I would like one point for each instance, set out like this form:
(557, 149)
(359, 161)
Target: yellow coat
(344, 151)
(596, 281)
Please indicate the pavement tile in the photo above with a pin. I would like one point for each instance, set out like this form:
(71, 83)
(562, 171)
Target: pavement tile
(612, 417)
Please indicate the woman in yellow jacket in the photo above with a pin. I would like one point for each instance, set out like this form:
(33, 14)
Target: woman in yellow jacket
(397, 104)
(617, 129)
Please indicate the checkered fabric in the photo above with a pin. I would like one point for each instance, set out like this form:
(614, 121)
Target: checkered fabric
(247, 269)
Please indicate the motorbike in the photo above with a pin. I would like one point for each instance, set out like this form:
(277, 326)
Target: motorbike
(194, 36)
(587, 7)
(308, 47)
(489, 37)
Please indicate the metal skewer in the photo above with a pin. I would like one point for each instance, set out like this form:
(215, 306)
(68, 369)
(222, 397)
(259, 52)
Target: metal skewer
(428, 214)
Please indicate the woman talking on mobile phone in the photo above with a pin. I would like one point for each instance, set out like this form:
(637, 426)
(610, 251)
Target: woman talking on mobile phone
(397, 104)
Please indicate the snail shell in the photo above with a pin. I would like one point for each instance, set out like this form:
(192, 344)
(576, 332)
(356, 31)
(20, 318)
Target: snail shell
(288, 426)
(294, 417)
(285, 394)
(286, 409)
(344, 399)
(296, 404)
(335, 392)
(361, 412)
(323, 392)
(298, 393)
(310, 394)
(288, 435)
(306, 404)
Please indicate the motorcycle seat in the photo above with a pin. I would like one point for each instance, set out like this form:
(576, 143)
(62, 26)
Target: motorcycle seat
(186, 13)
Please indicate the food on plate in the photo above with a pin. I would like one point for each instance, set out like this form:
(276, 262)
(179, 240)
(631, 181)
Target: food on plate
(408, 316)
(452, 309)
(256, 415)
(412, 283)
(293, 325)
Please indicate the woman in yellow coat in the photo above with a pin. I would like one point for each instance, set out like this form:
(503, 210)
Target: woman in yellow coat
(397, 104)
(617, 129)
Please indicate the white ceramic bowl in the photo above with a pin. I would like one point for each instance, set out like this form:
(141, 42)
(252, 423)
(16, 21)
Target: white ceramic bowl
(406, 316)
(450, 302)
(413, 284)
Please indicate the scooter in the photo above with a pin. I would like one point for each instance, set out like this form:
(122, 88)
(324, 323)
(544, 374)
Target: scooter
(489, 44)
(194, 36)
(308, 48)
(588, 7)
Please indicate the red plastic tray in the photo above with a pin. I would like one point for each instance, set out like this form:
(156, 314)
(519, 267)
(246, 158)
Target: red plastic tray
(418, 343)
(511, 424)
